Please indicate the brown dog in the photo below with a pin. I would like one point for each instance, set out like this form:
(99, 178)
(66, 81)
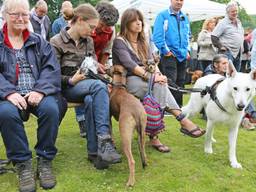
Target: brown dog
(195, 75)
(131, 115)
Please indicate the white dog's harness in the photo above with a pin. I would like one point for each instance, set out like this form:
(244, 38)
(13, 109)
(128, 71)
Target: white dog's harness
(212, 91)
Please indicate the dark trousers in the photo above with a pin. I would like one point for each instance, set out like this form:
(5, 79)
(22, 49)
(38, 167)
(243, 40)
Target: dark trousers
(50, 112)
(236, 61)
(204, 64)
(175, 71)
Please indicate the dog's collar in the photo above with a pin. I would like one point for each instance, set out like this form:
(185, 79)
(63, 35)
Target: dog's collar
(119, 85)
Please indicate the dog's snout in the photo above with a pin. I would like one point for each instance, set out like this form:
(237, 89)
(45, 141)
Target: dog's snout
(240, 106)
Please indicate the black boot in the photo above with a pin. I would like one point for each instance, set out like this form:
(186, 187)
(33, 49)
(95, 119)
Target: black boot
(26, 176)
(44, 173)
(82, 128)
(107, 151)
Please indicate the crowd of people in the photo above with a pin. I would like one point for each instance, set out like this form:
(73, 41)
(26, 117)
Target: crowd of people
(40, 71)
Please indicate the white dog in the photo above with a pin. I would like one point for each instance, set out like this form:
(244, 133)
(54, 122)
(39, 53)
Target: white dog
(233, 95)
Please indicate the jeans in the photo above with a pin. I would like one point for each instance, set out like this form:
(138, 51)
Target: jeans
(94, 95)
(250, 110)
(50, 112)
(236, 61)
(79, 110)
(175, 71)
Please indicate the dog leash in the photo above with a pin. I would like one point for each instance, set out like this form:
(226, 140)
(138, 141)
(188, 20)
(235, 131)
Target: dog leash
(175, 87)
(210, 90)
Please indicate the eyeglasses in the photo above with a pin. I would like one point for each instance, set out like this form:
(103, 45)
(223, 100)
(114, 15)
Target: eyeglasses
(92, 27)
(17, 15)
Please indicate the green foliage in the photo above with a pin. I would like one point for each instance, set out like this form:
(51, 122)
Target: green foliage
(54, 6)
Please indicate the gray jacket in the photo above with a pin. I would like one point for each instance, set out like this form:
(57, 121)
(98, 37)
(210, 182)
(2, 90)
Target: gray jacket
(207, 50)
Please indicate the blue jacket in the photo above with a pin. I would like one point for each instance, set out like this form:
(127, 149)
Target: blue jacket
(58, 24)
(42, 60)
(167, 37)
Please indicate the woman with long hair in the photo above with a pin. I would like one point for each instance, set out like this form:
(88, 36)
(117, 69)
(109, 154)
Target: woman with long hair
(131, 50)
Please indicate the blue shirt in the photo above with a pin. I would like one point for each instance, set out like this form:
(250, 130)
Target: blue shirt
(171, 33)
(58, 24)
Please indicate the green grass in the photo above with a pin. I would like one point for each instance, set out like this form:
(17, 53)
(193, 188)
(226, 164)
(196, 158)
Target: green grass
(186, 169)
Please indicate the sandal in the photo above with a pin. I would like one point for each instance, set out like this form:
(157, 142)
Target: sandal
(161, 148)
(191, 132)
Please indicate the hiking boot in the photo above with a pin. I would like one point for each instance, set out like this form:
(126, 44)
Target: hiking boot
(44, 173)
(26, 176)
(107, 151)
(82, 128)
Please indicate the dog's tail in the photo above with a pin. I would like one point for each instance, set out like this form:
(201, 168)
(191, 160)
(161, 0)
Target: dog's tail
(141, 138)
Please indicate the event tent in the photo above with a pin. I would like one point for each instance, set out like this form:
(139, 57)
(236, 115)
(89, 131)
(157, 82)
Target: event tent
(196, 9)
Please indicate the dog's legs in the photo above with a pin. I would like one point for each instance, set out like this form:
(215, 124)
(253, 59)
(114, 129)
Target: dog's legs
(208, 137)
(141, 139)
(233, 132)
(126, 126)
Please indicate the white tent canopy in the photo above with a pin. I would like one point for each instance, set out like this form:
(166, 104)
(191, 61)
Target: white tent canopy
(196, 9)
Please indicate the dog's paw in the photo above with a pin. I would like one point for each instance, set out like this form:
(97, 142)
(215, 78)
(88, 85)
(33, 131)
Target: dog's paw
(208, 150)
(130, 183)
(236, 165)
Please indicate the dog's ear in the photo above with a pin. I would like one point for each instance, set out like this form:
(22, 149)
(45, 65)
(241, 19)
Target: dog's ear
(110, 71)
(253, 74)
(231, 70)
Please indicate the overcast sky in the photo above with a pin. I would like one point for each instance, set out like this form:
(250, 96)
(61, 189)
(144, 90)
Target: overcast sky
(249, 5)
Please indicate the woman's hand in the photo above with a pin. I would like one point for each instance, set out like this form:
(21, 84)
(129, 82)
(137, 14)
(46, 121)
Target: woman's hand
(77, 77)
(161, 79)
(34, 98)
(101, 68)
(17, 100)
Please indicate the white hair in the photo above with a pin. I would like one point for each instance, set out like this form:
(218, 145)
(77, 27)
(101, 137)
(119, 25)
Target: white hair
(12, 4)
(230, 5)
(41, 3)
(66, 4)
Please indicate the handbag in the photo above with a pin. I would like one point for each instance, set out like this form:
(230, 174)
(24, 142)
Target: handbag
(155, 115)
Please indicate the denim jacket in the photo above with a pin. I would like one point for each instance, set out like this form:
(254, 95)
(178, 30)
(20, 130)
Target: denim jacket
(42, 60)
(168, 35)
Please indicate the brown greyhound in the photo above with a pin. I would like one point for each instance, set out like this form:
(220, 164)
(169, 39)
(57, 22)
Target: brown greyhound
(130, 114)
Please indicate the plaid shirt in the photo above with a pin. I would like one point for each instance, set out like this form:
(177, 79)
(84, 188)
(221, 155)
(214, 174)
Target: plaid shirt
(26, 81)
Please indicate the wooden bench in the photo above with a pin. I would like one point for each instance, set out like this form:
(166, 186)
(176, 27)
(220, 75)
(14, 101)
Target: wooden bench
(71, 105)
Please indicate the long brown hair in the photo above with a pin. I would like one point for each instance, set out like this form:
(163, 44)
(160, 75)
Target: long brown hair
(128, 17)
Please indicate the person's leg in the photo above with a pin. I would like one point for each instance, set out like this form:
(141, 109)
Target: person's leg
(168, 67)
(16, 144)
(168, 102)
(237, 63)
(243, 66)
(180, 81)
(13, 133)
(48, 123)
(80, 118)
(49, 118)
(92, 140)
(100, 112)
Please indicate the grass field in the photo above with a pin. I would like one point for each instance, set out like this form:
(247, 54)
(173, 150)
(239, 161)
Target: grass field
(186, 169)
